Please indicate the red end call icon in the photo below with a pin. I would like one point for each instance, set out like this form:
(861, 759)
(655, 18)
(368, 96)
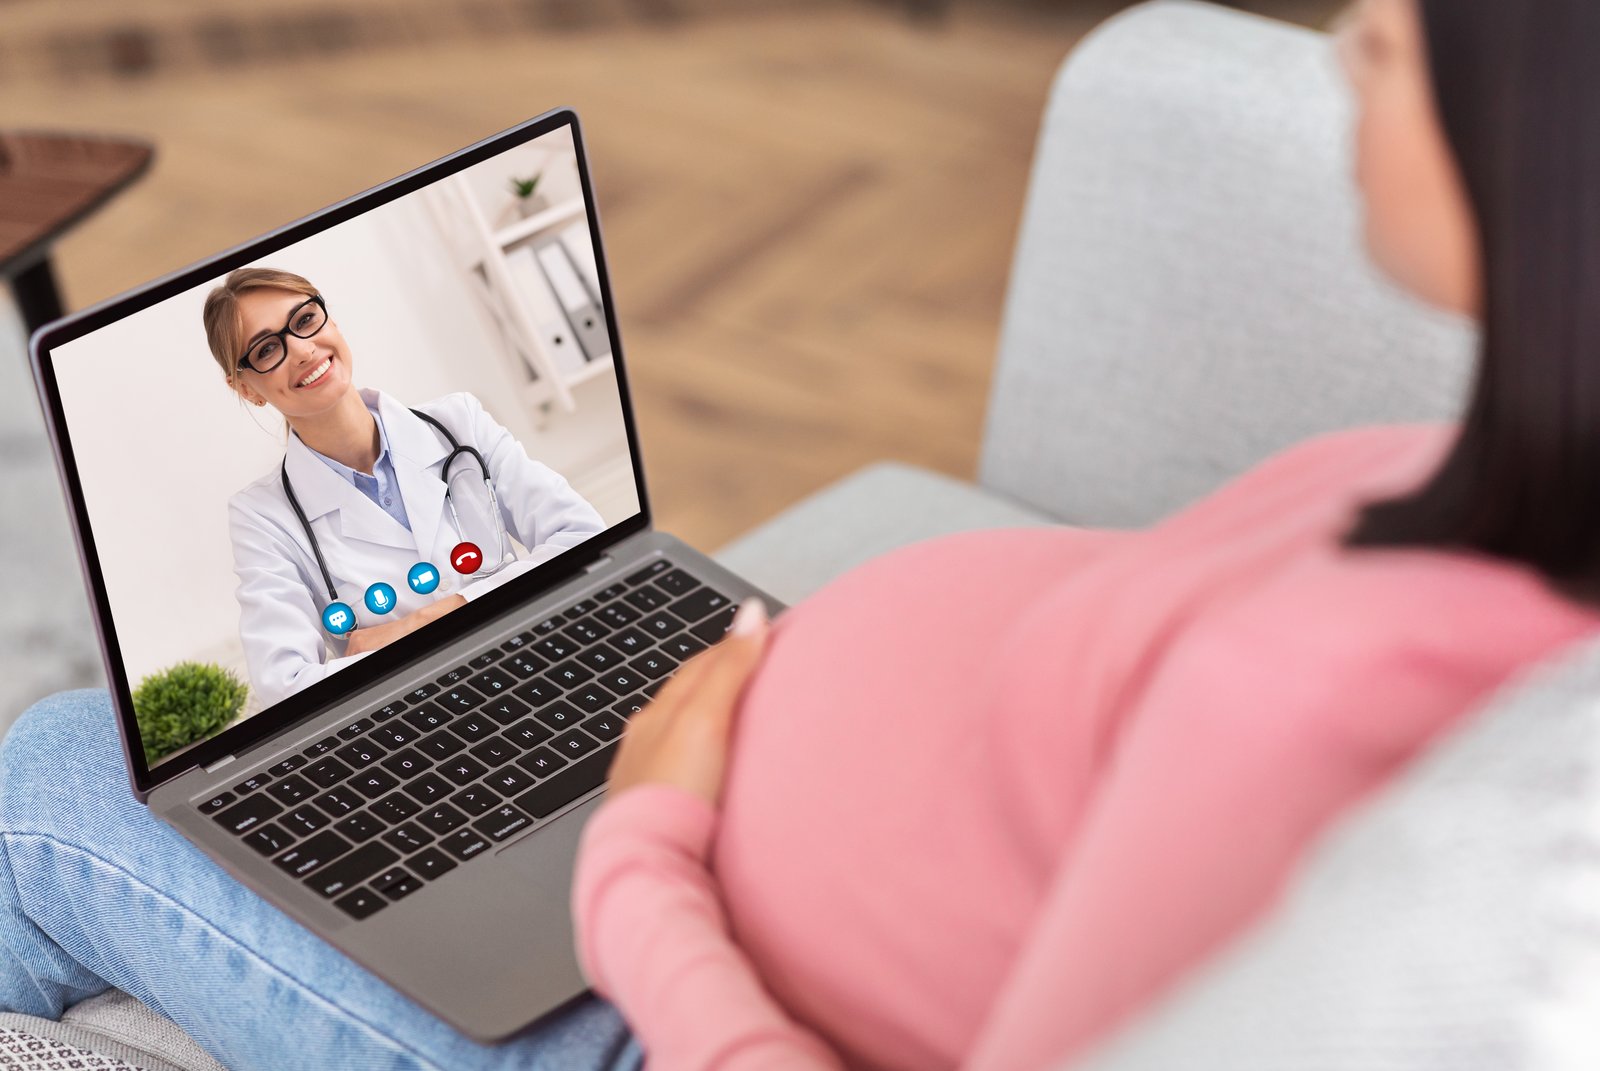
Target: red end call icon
(466, 558)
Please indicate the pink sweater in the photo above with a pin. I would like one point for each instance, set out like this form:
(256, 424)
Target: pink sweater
(992, 793)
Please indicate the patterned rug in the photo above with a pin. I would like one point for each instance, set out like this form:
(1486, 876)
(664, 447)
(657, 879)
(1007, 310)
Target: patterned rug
(25, 1052)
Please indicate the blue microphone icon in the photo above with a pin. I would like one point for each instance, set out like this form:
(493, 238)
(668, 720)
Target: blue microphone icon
(380, 598)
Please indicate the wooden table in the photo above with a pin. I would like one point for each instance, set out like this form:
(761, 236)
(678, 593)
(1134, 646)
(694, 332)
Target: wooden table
(48, 182)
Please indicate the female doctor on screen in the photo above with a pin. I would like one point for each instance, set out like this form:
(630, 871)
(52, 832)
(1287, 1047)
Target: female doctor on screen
(367, 529)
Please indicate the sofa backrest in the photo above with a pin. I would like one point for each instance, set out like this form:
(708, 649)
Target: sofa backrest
(1448, 921)
(1189, 294)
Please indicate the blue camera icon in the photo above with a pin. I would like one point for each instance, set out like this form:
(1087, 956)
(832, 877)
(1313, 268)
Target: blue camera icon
(423, 578)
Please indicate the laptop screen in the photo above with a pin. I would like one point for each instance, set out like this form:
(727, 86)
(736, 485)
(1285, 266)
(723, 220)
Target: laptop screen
(329, 450)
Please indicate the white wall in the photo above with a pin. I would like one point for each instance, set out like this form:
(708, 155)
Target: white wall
(161, 443)
(552, 157)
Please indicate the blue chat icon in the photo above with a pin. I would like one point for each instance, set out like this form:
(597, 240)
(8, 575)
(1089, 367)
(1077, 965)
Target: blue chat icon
(380, 598)
(338, 618)
(423, 578)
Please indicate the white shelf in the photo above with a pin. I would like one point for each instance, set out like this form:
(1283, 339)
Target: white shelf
(483, 251)
(591, 370)
(527, 228)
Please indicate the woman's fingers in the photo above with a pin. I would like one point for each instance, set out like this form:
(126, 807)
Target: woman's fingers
(716, 691)
(682, 738)
(725, 661)
(682, 683)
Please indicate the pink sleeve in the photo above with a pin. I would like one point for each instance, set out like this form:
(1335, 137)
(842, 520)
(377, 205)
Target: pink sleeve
(653, 939)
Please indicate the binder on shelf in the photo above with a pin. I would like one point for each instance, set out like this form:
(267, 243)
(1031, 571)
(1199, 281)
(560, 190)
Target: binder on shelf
(581, 310)
(555, 334)
(581, 249)
(494, 303)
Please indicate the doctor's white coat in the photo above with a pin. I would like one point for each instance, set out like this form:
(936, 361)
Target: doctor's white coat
(281, 591)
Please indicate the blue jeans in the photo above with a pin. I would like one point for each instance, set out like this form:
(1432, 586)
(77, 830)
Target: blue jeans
(94, 892)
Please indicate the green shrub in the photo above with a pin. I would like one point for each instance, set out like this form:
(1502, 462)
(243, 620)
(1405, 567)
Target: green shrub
(185, 703)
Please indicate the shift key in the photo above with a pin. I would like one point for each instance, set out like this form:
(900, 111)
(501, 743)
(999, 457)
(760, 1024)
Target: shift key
(353, 869)
(311, 854)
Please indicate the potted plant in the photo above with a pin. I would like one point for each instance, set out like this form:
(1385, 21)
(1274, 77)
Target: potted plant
(185, 703)
(529, 201)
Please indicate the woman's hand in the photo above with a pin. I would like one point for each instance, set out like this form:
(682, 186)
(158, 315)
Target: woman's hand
(682, 737)
(373, 637)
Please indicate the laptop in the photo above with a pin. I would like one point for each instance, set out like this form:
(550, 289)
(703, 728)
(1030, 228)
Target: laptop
(409, 786)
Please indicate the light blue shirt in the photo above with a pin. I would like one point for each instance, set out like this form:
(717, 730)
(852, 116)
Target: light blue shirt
(382, 486)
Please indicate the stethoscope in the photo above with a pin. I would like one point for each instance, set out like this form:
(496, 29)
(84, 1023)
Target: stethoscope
(456, 450)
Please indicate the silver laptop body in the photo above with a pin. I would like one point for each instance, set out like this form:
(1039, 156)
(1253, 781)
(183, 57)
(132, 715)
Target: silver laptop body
(486, 942)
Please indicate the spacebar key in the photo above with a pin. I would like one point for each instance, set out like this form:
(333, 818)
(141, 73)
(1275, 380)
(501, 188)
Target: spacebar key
(566, 786)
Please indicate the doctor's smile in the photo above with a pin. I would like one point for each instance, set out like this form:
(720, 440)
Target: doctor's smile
(316, 374)
(367, 488)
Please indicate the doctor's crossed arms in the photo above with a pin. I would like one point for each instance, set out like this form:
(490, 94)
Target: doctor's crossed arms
(371, 637)
(367, 491)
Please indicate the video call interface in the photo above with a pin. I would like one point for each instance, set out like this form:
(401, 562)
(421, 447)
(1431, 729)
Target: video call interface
(347, 440)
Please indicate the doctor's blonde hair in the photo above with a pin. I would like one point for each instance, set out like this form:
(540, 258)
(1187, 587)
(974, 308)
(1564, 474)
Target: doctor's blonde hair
(223, 321)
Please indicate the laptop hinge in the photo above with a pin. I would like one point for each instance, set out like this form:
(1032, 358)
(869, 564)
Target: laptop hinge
(219, 764)
(604, 560)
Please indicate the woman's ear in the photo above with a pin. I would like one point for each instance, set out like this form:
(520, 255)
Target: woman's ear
(246, 392)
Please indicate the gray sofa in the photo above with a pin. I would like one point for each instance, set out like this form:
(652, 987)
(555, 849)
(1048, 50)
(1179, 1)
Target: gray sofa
(1189, 297)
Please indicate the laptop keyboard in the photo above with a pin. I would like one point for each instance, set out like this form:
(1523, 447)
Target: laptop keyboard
(433, 778)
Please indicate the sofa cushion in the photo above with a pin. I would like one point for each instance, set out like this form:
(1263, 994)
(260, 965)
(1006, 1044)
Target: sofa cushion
(876, 509)
(1451, 924)
(1190, 295)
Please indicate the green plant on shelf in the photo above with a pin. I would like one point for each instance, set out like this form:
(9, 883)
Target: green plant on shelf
(185, 703)
(524, 188)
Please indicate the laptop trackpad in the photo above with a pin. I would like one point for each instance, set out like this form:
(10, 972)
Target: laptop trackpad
(548, 854)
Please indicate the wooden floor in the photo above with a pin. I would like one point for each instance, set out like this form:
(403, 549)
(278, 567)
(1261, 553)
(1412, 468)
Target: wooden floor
(809, 208)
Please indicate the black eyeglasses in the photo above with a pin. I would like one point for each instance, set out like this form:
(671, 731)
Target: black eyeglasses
(305, 320)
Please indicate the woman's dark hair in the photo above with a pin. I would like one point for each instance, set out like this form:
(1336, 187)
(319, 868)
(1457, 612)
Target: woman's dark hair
(1518, 92)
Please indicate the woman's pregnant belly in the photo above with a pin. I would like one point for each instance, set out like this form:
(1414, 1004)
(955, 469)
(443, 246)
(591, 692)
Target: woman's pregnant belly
(865, 869)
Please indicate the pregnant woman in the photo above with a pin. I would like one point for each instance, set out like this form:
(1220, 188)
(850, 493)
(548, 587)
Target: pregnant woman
(921, 823)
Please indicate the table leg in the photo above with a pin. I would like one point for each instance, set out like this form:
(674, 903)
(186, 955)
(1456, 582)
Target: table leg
(37, 296)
